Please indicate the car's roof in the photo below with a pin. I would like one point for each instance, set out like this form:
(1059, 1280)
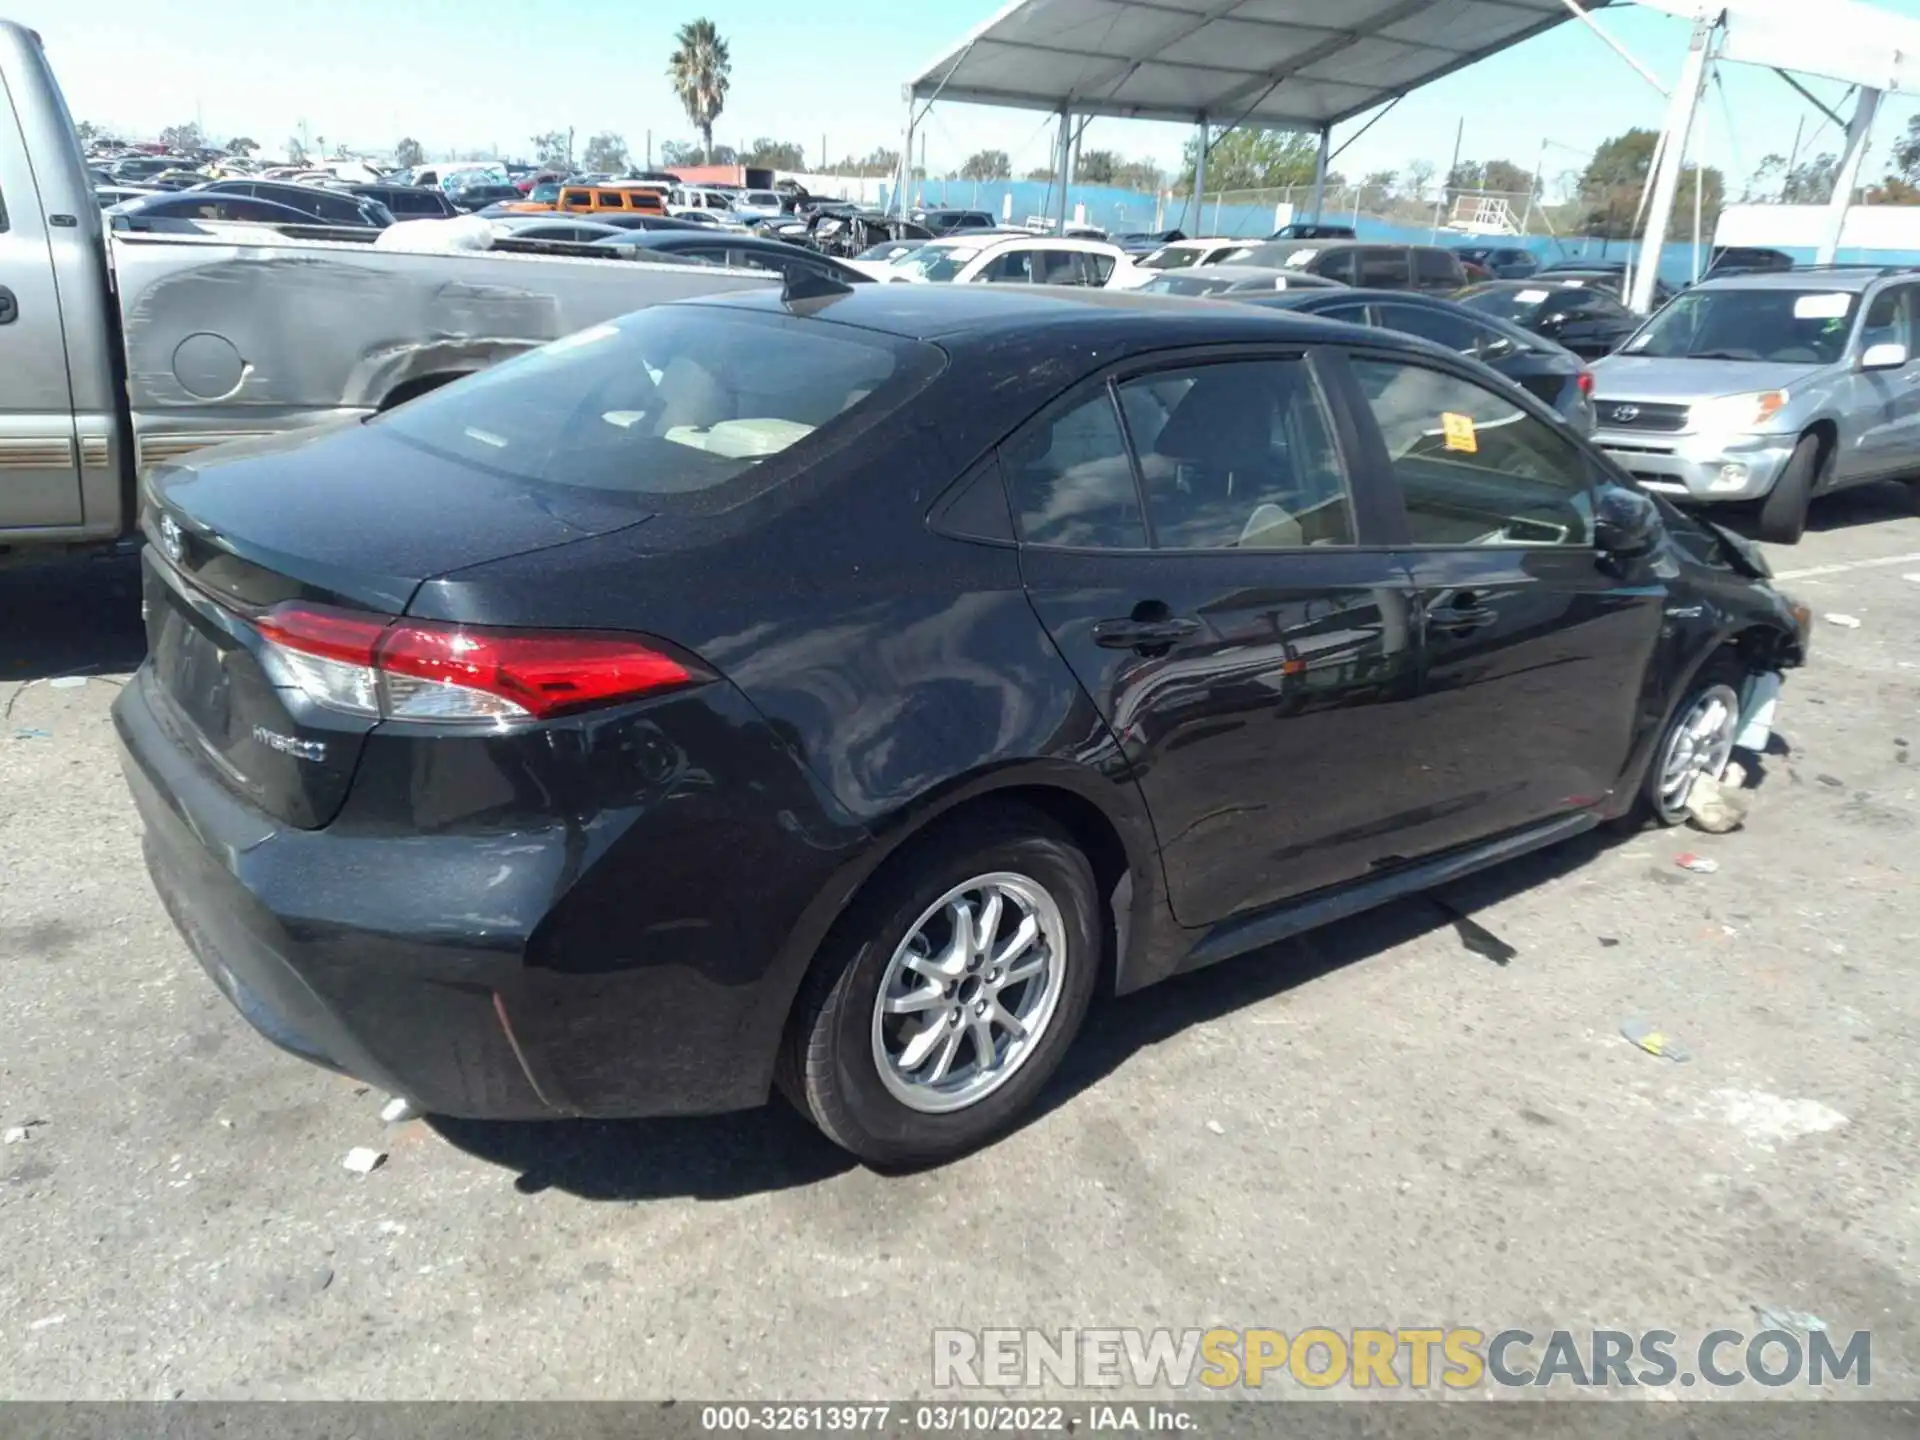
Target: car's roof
(527, 221)
(985, 240)
(969, 312)
(736, 239)
(1834, 279)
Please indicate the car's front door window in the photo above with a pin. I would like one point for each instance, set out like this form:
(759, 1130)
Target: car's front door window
(1889, 319)
(1474, 467)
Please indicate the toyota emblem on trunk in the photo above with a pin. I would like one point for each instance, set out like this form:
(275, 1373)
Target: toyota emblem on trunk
(1626, 414)
(170, 540)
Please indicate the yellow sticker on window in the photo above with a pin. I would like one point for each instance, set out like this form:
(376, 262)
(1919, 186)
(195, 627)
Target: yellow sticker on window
(1459, 432)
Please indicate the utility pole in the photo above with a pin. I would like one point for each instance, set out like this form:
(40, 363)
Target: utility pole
(569, 148)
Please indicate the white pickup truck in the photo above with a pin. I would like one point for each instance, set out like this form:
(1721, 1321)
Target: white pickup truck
(119, 349)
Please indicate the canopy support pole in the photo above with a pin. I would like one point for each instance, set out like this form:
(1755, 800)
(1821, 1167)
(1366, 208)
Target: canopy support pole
(1666, 177)
(1856, 152)
(1065, 169)
(1320, 172)
(906, 160)
(1199, 196)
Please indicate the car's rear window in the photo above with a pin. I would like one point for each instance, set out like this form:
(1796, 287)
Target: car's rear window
(672, 400)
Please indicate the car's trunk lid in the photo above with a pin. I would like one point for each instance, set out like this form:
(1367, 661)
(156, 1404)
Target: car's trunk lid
(357, 523)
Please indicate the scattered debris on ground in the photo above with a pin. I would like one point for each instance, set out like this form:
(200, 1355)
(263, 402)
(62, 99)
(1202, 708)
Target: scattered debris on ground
(1655, 1042)
(24, 1131)
(1767, 1119)
(1715, 806)
(363, 1161)
(1607, 942)
(398, 1110)
(1698, 864)
(1216, 1127)
(1845, 622)
(1832, 782)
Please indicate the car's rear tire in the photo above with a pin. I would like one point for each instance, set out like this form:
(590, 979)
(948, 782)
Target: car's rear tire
(906, 1084)
(1783, 514)
(1697, 739)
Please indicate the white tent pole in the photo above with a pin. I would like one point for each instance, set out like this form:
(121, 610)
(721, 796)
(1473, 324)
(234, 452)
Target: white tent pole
(1320, 171)
(906, 159)
(1843, 183)
(1198, 198)
(1666, 178)
(1065, 168)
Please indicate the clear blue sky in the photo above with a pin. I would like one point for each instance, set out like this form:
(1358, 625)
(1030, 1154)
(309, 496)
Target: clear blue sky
(464, 73)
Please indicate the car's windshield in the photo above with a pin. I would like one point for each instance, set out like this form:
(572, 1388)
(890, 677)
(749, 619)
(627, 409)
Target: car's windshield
(1171, 257)
(937, 262)
(668, 401)
(1184, 285)
(545, 193)
(1794, 327)
(1507, 303)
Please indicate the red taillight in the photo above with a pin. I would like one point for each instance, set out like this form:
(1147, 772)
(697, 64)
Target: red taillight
(1585, 382)
(400, 669)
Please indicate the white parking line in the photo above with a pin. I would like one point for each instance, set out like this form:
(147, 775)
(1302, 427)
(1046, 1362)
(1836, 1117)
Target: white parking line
(1848, 565)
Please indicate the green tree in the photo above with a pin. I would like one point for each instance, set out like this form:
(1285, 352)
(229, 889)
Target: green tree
(987, 165)
(701, 70)
(878, 162)
(550, 148)
(1096, 167)
(1141, 175)
(409, 152)
(1251, 159)
(296, 152)
(1615, 178)
(87, 131)
(605, 153)
(679, 152)
(1381, 182)
(770, 154)
(1041, 173)
(183, 137)
(242, 145)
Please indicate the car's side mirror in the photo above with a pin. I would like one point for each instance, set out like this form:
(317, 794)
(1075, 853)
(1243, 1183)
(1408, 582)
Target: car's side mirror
(1625, 521)
(1889, 356)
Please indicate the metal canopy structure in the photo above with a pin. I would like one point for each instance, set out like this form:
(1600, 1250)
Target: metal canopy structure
(1294, 64)
(1274, 64)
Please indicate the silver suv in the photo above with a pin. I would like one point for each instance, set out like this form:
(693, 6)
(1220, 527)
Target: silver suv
(1771, 388)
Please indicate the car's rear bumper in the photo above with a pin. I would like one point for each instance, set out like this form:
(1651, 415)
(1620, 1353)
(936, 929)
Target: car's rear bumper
(1699, 467)
(473, 973)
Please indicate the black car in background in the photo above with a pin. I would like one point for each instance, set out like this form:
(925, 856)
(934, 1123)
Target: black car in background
(477, 197)
(1377, 267)
(1503, 262)
(832, 691)
(327, 207)
(408, 202)
(202, 205)
(748, 252)
(1585, 318)
(951, 222)
(1535, 364)
(1308, 230)
(1607, 275)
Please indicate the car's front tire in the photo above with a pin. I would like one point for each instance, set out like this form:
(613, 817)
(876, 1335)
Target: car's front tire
(1783, 514)
(1698, 740)
(947, 995)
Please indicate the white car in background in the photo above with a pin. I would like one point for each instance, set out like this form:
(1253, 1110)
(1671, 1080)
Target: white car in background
(1006, 259)
(1181, 255)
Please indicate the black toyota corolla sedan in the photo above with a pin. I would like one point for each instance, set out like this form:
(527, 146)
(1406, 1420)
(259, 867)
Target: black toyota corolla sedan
(835, 690)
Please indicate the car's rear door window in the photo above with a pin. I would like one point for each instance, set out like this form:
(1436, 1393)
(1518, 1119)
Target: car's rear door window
(1383, 267)
(1459, 333)
(1473, 467)
(1072, 479)
(672, 400)
(1238, 455)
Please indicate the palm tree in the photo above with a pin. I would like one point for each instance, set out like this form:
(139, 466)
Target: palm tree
(700, 71)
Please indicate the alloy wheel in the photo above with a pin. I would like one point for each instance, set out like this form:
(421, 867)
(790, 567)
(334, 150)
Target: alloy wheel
(969, 992)
(1700, 743)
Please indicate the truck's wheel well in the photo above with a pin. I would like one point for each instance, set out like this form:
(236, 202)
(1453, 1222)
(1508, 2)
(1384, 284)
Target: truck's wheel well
(420, 384)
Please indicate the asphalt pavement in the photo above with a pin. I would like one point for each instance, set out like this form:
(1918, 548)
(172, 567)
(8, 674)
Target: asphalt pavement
(1377, 1125)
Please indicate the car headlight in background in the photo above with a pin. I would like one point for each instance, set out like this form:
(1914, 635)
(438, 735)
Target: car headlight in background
(1738, 413)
